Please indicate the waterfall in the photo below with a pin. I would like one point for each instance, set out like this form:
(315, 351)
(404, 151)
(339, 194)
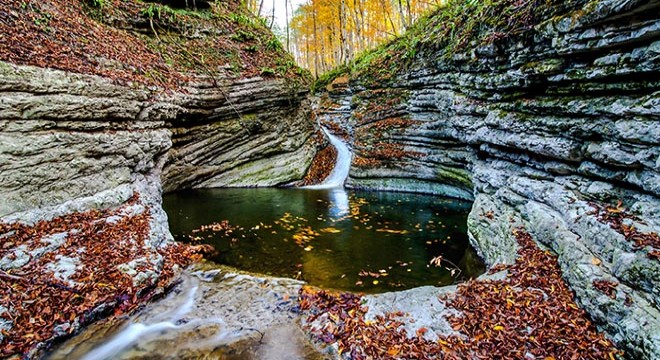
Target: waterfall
(339, 173)
(168, 319)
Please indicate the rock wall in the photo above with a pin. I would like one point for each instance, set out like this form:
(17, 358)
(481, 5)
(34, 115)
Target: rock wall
(544, 130)
(67, 136)
(251, 133)
(70, 143)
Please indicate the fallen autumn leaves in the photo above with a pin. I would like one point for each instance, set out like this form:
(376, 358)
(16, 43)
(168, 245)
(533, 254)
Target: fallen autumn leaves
(113, 39)
(528, 315)
(619, 218)
(64, 273)
(321, 167)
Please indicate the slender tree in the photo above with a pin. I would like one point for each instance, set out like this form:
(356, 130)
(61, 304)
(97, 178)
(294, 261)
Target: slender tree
(272, 17)
(286, 12)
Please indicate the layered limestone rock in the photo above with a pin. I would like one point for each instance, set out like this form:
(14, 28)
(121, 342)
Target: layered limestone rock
(212, 314)
(541, 129)
(253, 132)
(70, 143)
(177, 102)
(67, 136)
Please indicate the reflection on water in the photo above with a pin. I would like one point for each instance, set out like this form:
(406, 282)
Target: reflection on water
(338, 202)
(349, 240)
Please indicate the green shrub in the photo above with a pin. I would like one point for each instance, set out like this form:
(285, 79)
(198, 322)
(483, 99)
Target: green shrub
(96, 3)
(267, 71)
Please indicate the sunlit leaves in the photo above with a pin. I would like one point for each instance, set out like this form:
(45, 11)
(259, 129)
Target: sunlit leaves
(328, 33)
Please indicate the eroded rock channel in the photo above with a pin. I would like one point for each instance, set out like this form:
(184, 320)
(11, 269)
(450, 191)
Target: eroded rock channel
(552, 133)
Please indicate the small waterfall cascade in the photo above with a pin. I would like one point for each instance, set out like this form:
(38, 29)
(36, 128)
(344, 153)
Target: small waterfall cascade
(339, 173)
(169, 319)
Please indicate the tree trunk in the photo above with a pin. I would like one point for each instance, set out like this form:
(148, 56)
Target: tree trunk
(358, 27)
(261, 6)
(272, 17)
(343, 45)
(402, 15)
(410, 14)
(387, 17)
(286, 15)
(316, 46)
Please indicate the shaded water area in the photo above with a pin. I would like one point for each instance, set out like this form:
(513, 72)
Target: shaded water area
(349, 240)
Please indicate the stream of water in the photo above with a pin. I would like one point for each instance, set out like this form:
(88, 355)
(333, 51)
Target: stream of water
(171, 318)
(342, 167)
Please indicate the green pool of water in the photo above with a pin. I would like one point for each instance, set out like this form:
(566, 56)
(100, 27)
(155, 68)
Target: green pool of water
(349, 240)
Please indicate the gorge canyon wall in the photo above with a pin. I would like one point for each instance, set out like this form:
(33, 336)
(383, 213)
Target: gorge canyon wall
(546, 129)
(72, 143)
(555, 129)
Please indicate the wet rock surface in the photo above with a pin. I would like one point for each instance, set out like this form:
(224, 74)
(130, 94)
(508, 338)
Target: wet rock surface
(538, 129)
(67, 266)
(212, 313)
(251, 132)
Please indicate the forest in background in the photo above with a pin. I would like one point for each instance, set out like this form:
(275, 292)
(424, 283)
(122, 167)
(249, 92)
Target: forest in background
(323, 34)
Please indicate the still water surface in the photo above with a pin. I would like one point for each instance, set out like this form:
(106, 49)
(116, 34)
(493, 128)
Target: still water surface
(333, 238)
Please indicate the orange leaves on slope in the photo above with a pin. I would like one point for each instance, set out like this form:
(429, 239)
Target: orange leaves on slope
(60, 35)
(322, 166)
(531, 311)
(615, 217)
(43, 305)
(117, 41)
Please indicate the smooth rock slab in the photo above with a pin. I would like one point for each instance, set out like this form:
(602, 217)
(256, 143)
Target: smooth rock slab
(212, 313)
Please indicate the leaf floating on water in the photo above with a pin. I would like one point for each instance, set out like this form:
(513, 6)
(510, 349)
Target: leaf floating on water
(304, 235)
(363, 273)
(308, 248)
(436, 260)
(330, 230)
(392, 231)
